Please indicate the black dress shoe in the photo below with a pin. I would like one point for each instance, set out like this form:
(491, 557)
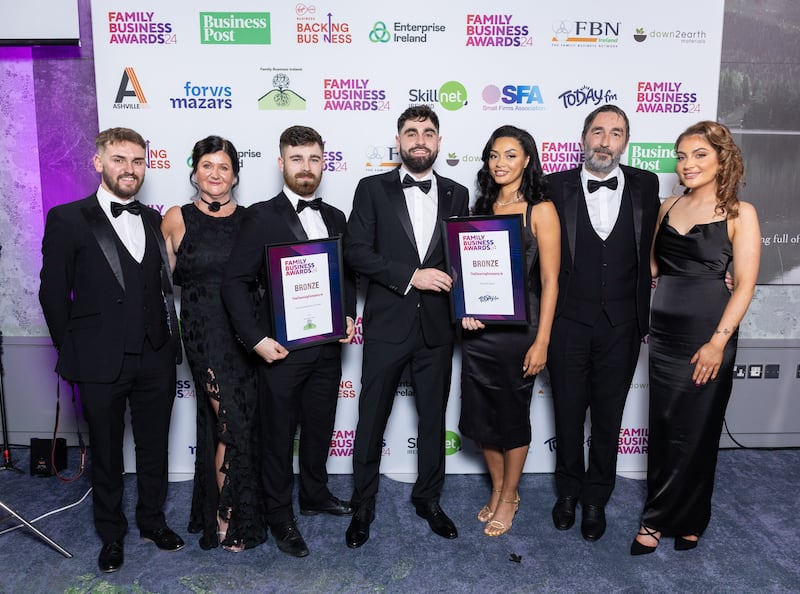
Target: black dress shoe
(564, 512)
(358, 530)
(289, 539)
(112, 555)
(164, 537)
(593, 524)
(333, 506)
(437, 519)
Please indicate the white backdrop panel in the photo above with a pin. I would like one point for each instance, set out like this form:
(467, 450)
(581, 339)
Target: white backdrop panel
(177, 72)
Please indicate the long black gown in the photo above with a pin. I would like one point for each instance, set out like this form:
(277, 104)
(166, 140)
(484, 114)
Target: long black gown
(495, 397)
(686, 419)
(221, 370)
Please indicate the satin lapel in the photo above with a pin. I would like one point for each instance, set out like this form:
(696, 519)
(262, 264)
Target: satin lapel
(152, 228)
(444, 208)
(327, 218)
(572, 193)
(154, 231)
(104, 234)
(289, 216)
(631, 190)
(394, 192)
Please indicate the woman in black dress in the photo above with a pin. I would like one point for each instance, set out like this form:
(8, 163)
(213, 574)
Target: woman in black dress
(500, 363)
(693, 331)
(226, 503)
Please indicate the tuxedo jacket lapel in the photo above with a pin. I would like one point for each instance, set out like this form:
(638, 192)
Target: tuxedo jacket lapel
(444, 210)
(573, 192)
(394, 191)
(326, 218)
(289, 215)
(104, 234)
(152, 227)
(633, 189)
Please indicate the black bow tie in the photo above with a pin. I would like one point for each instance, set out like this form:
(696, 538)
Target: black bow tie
(424, 185)
(610, 183)
(132, 207)
(315, 204)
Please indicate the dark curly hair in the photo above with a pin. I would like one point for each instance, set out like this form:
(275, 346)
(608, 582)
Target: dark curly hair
(533, 187)
(730, 175)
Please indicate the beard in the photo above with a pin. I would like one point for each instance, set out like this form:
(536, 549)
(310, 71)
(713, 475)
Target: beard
(595, 164)
(303, 184)
(118, 190)
(418, 164)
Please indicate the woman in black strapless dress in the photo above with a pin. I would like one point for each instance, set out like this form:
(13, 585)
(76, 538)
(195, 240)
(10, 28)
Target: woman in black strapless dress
(227, 506)
(693, 331)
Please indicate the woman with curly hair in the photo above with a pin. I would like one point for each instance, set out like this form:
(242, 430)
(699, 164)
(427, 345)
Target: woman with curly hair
(500, 363)
(694, 324)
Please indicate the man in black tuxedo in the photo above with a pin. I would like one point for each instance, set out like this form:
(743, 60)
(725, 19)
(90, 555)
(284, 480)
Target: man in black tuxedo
(394, 242)
(608, 214)
(106, 293)
(301, 386)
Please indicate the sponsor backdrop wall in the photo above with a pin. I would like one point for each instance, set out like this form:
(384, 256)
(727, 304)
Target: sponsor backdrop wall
(246, 70)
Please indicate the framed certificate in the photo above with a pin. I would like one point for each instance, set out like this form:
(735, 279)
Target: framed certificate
(486, 259)
(305, 288)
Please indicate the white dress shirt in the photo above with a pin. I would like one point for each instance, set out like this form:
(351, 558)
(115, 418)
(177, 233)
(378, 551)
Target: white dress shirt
(129, 227)
(423, 209)
(603, 204)
(311, 219)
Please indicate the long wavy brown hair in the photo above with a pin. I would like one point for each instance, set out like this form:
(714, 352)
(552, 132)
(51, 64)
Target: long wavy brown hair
(730, 176)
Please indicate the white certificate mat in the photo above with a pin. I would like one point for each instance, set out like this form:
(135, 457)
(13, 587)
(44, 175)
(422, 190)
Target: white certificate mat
(307, 296)
(488, 283)
(486, 260)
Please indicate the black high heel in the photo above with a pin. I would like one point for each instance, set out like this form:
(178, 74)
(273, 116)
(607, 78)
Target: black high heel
(684, 544)
(638, 548)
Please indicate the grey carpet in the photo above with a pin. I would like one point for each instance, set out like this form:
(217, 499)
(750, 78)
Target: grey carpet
(751, 545)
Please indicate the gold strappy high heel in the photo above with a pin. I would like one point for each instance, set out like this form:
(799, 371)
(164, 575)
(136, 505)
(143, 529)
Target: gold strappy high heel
(497, 528)
(486, 513)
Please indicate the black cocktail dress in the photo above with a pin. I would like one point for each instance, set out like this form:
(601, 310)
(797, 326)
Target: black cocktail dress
(495, 397)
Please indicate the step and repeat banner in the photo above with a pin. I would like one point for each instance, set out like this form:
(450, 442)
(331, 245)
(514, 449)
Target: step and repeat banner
(246, 70)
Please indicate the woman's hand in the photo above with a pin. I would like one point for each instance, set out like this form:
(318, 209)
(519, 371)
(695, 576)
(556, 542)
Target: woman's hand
(535, 359)
(471, 324)
(706, 361)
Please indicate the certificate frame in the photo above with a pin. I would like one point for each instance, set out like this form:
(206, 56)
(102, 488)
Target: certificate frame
(511, 269)
(322, 297)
